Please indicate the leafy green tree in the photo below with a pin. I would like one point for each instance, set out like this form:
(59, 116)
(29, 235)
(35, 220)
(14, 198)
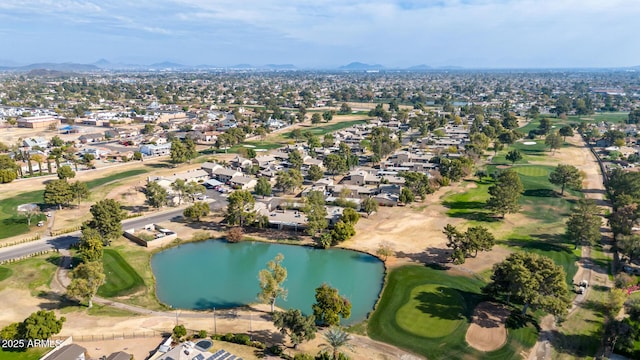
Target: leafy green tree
(623, 219)
(369, 206)
(58, 193)
(455, 169)
(295, 159)
(384, 251)
(328, 140)
(336, 339)
(316, 118)
(107, 216)
(327, 116)
(342, 231)
(263, 187)
(553, 141)
(566, 175)
(87, 279)
(148, 129)
(271, 280)
(509, 137)
(316, 213)
(335, 164)
(56, 141)
(505, 193)
(629, 246)
(583, 226)
(156, 195)
(315, 173)
(180, 188)
(330, 306)
(196, 211)
(513, 156)
(298, 327)
(8, 169)
(42, 325)
(182, 152)
(455, 241)
(406, 196)
(240, 208)
(344, 109)
(91, 245)
(418, 183)
(545, 125)
(193, 189)
(65, 172)
(531, 279)
(87, 159)
(289, 180)
(350, 216)
(80, 191)
(476, 238)
(178, 332)
(566, 131)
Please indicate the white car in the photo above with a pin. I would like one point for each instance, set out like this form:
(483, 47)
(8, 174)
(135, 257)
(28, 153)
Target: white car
(40, 223)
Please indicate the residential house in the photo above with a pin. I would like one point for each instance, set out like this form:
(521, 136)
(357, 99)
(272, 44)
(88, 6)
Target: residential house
(156, 150)
(68, 352)
(243, 182)
(91, 138)
(225, 175)
(98, 153)
(240, 162)
(35, 142)
(210, 167)
(264, 161)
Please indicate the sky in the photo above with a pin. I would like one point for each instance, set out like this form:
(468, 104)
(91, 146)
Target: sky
(324, 33)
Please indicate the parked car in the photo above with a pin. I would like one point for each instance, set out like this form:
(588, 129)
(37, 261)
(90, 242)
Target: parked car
(40, 223)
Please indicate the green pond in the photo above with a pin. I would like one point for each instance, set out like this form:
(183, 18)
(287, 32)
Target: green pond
(216, 273)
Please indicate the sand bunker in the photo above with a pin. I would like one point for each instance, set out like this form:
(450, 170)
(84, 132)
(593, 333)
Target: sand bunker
(487, 331)
(529, 143)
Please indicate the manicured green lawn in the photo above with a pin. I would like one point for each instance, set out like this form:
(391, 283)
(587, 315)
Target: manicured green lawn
(609, 117)
(121, 278)
(29, 354)
(414, 291)
(12, 224)
(5, 272)
(117, 176)
(471, 204)
(322, 129)
(440, 307)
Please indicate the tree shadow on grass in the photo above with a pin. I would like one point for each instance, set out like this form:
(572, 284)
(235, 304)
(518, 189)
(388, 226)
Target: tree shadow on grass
(575, 345)
(541, 193)
(595, 306)
(442, 303)
(470, 210)
(160, 165)
(517, 320)
(433, 257)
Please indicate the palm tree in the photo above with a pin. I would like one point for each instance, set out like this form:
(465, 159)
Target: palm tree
(336, 338)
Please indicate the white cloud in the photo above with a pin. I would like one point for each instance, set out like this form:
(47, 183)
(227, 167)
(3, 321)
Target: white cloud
(401, 31)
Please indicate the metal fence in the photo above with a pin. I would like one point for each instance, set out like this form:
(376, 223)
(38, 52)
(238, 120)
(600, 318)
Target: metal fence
(113, 336)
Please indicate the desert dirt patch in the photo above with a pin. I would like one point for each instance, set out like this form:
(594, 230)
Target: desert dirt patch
(17, 304)
(487, 331)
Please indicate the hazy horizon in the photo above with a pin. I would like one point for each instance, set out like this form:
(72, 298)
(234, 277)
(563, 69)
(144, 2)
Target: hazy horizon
(491, 34)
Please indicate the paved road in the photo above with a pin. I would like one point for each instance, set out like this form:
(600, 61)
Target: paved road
(216, 202)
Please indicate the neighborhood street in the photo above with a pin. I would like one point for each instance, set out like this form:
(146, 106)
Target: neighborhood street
(216, 202)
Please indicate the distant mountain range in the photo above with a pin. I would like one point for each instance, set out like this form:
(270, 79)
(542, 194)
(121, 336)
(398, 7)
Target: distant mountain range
(105, 65)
